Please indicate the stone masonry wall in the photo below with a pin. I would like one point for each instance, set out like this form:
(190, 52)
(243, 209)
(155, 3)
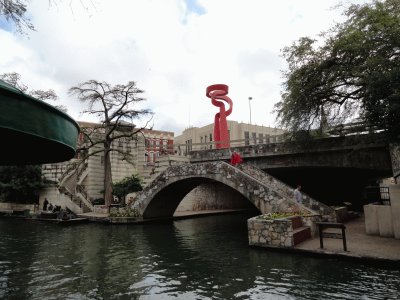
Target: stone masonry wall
(277, 232)
(211, 196)
(327, 212)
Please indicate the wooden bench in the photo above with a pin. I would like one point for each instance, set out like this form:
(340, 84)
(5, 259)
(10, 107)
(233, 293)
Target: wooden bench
(334, 235)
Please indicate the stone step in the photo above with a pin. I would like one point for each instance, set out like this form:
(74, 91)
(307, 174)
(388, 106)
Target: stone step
(81, 204)
(296, 222)
(301, 234)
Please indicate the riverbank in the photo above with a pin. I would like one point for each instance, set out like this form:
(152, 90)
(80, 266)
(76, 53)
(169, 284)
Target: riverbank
(104, 218)
(359, 245)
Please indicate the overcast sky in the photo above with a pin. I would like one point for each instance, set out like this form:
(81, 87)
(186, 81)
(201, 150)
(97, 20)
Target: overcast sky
(173, 49)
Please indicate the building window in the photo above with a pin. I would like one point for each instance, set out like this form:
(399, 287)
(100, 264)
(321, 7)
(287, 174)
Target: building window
(188, 145)
(260, 138)
(267, 138)
(254, 137)
(246, 138)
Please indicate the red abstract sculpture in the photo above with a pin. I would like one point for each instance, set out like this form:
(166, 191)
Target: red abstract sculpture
(221, 134)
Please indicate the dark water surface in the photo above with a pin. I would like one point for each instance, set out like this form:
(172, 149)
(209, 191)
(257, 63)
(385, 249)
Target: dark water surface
(204, 258)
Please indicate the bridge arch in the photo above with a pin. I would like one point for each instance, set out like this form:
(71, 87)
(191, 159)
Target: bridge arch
(162, 196)
(165, 201)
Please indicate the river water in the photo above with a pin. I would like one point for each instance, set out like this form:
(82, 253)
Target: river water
(203, 258)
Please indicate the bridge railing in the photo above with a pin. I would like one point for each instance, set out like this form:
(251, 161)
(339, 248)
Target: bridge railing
(189, 149)
(353, 128)
(186, 149)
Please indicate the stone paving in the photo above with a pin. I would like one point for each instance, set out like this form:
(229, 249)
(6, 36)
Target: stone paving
(359, 244)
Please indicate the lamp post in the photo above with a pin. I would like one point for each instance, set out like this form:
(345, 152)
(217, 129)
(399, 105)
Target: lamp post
(250, 98)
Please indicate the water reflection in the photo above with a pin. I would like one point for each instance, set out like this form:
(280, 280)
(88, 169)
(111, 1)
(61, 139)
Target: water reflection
(205, 258)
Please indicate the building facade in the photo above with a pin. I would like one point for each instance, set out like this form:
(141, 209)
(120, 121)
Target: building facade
(78, 185)
(201, 138)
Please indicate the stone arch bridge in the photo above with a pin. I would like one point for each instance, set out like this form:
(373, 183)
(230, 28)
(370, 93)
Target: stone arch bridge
(162, 196)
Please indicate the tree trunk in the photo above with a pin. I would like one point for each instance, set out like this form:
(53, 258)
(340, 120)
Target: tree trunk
(108, 190)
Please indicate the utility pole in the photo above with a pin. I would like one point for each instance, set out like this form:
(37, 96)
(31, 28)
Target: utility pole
(250, 98)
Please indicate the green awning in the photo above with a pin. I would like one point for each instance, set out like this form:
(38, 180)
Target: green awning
(32, 131)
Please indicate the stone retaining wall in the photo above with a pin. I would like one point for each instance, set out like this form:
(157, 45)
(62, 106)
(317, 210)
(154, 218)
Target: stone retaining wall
(10, 207)
(277, 232)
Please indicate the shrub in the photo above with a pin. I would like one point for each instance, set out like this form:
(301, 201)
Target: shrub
(124, 212)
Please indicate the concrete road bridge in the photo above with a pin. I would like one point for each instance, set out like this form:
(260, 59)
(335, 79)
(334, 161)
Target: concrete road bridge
(333, 170)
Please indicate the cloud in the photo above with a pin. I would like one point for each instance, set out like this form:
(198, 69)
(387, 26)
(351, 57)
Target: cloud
(173, 49)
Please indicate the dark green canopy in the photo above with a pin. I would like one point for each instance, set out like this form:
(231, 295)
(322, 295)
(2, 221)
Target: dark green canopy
(32, 131)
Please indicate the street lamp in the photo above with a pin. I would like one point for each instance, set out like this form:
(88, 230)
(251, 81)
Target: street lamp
(250, 98)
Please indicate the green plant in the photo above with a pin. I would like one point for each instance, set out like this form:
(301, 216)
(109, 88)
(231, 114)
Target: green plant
(127, 185)
(273, 216)
(124, 212)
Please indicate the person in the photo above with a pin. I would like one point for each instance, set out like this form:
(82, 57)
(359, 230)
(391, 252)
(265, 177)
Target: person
(298, 197)
(130, 202)
(45, 203)
(50, 207)
(236, 158)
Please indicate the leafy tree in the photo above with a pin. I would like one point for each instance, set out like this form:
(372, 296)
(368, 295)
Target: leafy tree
(14, 79)
(127, 185)
(21, 184)
(115, 106)
(355, 73)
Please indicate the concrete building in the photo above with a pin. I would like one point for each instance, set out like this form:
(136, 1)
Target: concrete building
(199, 138)
(77, 185)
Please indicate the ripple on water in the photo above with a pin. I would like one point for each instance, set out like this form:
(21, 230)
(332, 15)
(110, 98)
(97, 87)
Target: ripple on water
(206, 258)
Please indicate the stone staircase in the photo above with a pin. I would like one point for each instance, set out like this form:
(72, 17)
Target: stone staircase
(71, 186)
(300, 232)
(149, 172)
(325, 211)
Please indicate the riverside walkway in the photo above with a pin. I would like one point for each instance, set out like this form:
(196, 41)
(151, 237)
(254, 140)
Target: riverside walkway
(359, 244)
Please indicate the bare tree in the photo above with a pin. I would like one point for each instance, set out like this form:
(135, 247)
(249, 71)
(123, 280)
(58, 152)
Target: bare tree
(115, 106)
(14, 11)
(14, 79)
